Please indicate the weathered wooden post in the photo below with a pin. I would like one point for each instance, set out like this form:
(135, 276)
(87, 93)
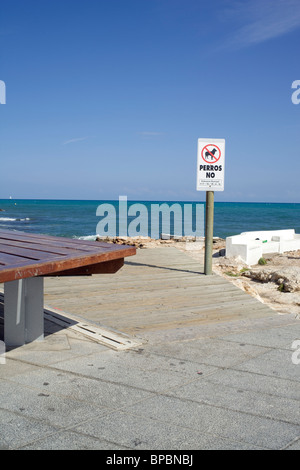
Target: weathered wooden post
(209, 232)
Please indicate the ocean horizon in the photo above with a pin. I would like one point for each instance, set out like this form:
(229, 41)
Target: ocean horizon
(77, 218)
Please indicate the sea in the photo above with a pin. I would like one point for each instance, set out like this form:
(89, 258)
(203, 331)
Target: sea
(79, 219)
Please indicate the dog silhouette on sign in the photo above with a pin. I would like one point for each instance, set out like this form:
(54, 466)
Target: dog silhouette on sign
(211, 154)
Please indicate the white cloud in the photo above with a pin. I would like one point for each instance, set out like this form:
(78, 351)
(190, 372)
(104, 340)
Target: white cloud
(74, 140)
(150, 134)
(263, 20)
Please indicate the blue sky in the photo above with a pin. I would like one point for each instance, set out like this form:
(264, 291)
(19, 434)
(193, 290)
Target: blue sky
(108, 97)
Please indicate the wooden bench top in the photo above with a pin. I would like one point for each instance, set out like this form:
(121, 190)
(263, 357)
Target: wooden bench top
(24, 255)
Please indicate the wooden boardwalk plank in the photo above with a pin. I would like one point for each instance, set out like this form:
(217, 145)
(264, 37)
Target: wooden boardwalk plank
(161, 288)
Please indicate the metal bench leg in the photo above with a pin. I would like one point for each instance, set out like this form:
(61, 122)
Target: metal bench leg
(23, 311)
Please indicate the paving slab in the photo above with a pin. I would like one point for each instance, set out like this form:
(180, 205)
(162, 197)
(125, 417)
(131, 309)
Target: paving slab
(215, 352)
(281, 337)
(238, 398)
(17, 430)
(140, 432)
(259, 383)
(213, 421)
(274, 363)
(220, 382)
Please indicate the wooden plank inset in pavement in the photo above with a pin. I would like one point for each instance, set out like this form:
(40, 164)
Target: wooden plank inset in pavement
(161, 288)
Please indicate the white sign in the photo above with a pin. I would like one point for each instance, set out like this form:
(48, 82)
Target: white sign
(211, 165)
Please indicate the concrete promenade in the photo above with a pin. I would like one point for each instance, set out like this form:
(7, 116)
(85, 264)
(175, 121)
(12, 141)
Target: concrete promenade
(210, 367)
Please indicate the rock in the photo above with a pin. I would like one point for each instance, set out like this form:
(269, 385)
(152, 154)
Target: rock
(287, 278)
(234, 265)
(137, 242)
(186, 242)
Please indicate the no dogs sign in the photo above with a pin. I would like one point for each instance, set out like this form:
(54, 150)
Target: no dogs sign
(210, 165)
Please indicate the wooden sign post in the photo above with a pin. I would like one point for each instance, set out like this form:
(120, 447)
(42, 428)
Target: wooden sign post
(209, 231)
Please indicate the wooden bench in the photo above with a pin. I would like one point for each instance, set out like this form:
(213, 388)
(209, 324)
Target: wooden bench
(26, 258)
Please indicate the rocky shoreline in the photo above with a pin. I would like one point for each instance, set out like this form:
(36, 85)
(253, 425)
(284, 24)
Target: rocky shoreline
(192, 243)
(276, 283)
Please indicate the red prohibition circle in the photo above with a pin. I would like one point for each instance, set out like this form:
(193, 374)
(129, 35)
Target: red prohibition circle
(205, 148)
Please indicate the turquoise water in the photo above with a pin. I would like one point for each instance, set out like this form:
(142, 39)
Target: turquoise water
(79, 219)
